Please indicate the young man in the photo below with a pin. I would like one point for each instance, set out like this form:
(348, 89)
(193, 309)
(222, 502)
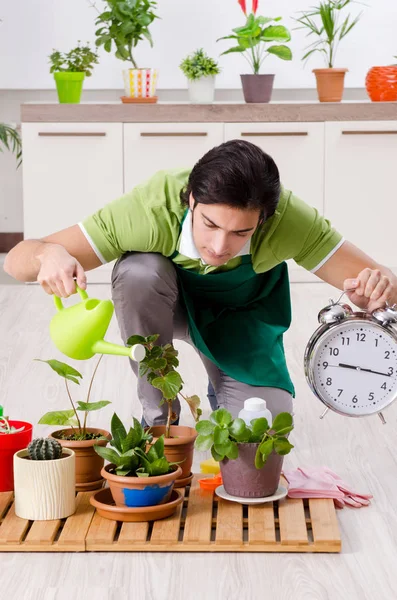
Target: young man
(201, 257)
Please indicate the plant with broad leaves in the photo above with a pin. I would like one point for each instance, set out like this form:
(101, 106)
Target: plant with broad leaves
(79, 60)
(198, 65)
(10, 139)
(159, 367)
(125, 23)
(324, 22)
(222, 433)
(129, 455)
(70, 418)
(252, 39)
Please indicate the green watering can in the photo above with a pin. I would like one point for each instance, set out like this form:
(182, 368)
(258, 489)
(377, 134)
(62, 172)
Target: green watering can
(78, 330)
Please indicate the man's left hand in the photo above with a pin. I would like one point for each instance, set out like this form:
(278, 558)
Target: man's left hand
(371, 290)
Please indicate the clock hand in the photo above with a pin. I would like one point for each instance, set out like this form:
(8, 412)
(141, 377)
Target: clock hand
(362, 369)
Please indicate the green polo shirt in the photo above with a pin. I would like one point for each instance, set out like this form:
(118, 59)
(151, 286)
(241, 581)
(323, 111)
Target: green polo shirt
(149, 218)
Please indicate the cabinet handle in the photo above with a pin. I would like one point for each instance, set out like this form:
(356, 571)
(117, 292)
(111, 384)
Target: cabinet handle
(273, 133)
(373, 132)
(173, 133)
(72, 133)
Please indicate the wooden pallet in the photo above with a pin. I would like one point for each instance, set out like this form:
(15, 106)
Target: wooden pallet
(202, 523)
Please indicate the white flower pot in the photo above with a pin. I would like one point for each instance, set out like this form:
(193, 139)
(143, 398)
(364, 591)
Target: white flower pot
(140, 83)
(202, 91)
(44, 489)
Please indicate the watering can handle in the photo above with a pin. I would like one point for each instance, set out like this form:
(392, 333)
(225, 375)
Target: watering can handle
(58, 301)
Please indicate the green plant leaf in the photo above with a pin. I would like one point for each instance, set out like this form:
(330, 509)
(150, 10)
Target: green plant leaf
(108, 454)
(266, 447)
(157, 364)
(259, 427)
(221, 416)
(135, 339)
(63, 369)
(194, 404)
(231, 450)
(276, 33)
(259, 462)
(234, 49)
(282, 421)
(152, 338)
(239, 430)
(169, 385)
(57, 417)
(160, 466)
(203, 442)
(282, 446)
(221, 436)
(157, 450)
(282, 52)
(118, 432)
(215, 455)
(205, 427)
(90, 406)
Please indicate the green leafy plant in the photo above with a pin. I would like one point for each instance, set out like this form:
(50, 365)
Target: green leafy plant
(198, 65)
(129, 455)
(11, 140)
(325, 22)
(222, 433)
(159, 367)
(125, 23)
(79, 60)
(252, 39)
(70, 418)
(44, 449)
(5, 427)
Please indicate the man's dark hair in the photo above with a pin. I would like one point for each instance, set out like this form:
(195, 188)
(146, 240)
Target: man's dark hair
(236, 173)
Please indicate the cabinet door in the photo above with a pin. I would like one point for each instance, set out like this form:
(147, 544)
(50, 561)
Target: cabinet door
(69, 171)
(151, 147)
(360, 163)
(298, 151)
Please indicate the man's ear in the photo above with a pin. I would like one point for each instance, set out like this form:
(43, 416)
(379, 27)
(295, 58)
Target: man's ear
(191, 202)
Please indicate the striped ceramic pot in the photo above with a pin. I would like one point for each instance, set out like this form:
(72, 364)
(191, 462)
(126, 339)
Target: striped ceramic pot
(140, 83)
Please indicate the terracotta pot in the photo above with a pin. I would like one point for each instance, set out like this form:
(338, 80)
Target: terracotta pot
(140, 491)
(257, 88)
(330, 84)
(88, 462)
(179, 447)
(381, 84)
(241, 477)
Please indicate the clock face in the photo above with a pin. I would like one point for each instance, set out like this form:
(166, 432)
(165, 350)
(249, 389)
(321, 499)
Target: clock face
(354, 368)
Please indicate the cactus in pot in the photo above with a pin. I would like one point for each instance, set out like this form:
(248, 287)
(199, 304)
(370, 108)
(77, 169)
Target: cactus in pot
(44, 449)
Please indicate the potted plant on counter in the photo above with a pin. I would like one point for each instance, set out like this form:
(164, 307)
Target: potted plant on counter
(14, 436)
(137, 476)
(200, 71)
(77, 436)
(125, 24)
(251, 456)
(324, 21)
(159, 368)
(252, 41)
(70, 69)
(44, 475)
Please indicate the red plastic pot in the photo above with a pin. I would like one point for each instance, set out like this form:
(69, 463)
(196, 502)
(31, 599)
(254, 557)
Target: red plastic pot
(9, 444)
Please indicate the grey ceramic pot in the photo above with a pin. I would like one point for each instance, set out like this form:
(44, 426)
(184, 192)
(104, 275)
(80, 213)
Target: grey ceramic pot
(257, 88)
(241, 477)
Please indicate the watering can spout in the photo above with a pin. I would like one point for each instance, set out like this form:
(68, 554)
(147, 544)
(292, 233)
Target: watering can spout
(79, 330)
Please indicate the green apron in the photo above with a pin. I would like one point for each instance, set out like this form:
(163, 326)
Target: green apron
(237, 319)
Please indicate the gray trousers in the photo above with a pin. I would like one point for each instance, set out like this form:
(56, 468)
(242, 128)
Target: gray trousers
(146, 300)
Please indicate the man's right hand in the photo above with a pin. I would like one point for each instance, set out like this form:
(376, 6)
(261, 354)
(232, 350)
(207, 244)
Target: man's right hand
(58, 271)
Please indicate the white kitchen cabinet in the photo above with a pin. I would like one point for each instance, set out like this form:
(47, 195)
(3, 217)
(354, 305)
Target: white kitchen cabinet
(150, 147)
(70, 170)
(298, 151)
(360, 189)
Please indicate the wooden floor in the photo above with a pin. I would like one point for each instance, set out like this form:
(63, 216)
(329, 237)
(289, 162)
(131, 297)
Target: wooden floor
(362, 451)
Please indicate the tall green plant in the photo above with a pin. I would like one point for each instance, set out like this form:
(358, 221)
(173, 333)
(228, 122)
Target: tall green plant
(125, 23)
(326, 22)
(11, 140)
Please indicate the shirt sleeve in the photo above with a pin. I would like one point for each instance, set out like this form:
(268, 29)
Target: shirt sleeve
(304, 235)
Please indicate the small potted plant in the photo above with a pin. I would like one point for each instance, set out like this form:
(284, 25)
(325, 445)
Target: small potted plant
(159, 368)
(10, 139)
(125, 24)
(70, 69)
(137, 476)
(200, 71)
(324, 21)
(252, 41)
(44, 475)
(77, 436)
(14, 436)
(381, 83)
(251, 457)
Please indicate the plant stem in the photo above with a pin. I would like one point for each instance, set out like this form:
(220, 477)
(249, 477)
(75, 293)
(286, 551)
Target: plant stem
(167, 427)
(131, 57)
(71, 401)
(88, 395)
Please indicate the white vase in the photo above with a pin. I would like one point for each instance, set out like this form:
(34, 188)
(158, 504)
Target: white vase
(44, 489)
(202, 91)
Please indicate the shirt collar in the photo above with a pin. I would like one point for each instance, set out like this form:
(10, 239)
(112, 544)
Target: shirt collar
(187, 247)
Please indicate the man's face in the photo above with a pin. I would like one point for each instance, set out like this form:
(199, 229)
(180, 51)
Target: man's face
(221, 231)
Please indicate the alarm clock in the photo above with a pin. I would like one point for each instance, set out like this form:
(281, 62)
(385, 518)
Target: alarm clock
(350, 361)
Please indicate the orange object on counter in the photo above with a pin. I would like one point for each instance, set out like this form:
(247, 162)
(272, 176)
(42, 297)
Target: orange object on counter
(381, 83)
(211, 483)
